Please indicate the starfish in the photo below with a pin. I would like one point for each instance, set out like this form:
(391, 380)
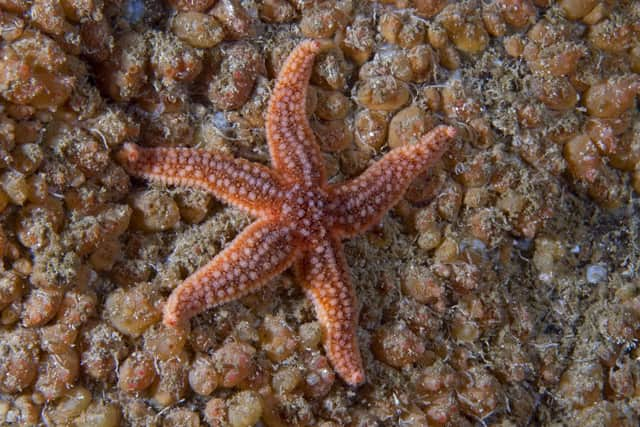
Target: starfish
(301, 219)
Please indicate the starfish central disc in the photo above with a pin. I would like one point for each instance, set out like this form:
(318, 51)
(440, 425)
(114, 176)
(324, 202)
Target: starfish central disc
(306, 211)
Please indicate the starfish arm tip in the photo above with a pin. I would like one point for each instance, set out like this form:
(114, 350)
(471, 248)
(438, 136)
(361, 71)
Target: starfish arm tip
(347, 363)
(170, 316)
(355, 378)
(450, 131)
(436, 139)
(313, 45)
(128, 154)
(173, 322)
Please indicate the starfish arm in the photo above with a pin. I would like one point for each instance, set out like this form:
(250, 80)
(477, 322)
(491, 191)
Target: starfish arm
(240, 182)
(360, 203)
(292, 145)
(325, 278)
(263, 250)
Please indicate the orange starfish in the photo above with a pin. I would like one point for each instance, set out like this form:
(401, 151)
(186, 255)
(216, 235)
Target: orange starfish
(301, 218)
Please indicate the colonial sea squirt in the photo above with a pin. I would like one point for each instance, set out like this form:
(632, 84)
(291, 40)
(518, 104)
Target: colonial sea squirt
(301, 219)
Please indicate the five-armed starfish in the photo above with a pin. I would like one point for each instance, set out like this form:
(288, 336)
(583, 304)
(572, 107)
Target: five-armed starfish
(301, 218)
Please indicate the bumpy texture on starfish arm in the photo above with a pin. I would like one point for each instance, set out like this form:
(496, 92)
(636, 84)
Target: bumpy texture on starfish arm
(293, 149)
(325, 278)
(301, 219)
(240, 182)
(262, 251)
(360, 203)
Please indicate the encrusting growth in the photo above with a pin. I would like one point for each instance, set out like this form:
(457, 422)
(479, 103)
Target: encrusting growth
(301, 218)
